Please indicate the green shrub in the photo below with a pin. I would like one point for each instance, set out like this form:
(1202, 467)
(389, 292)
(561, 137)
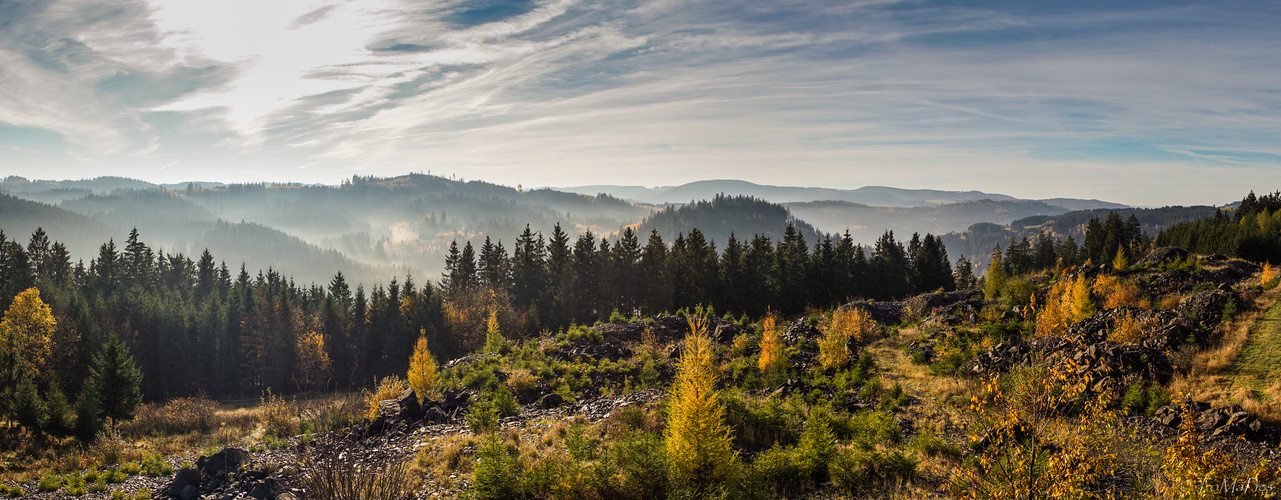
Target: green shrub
(142, 494)
(116, 476)
(780, 472)
(640, 461)
(119, 495)
(75, 485)
(497, 474)
(868, 428)
(855, 471)
(580, 446)
(155, 466)
(130, 468)
(504, 402)
(49, 482)
(14, 491)
(1157, 398)
(97, 486)
(482, 417)
(817, 445)
(929, 444)
(1135, 399)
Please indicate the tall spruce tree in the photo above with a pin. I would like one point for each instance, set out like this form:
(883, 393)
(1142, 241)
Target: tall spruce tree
(117, 382)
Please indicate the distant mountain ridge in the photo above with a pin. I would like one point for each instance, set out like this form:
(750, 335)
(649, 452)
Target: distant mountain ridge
(375, 227)
(880, 196)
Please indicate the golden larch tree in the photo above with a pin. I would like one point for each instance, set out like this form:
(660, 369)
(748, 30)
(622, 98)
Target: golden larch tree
(698, 439)
(422, 368)
(771, 357)
(313, 360)
(494, 341)
(27, 329)
(1082, 306)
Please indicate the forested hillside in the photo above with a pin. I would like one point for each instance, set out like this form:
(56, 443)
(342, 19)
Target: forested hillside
(723, 215)
(866, 223)
(978, 241)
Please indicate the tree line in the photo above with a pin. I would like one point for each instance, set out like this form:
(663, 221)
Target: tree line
(1252, 231)
(198, 326)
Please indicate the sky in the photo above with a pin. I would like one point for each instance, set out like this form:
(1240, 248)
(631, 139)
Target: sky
(1139, 102)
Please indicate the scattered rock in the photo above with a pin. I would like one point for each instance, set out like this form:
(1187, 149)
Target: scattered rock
(552, 400)
(1164, 255)
(219, 464)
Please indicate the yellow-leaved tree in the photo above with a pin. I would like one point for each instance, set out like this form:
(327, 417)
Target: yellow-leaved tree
(313, 361)
(422, 368)
(846, 324)
(698, 439)
(1269, 274)
(1082, 306)
(1051, 319)
(494, 341)
(771, 357)
(27, 330)
(1120, 263)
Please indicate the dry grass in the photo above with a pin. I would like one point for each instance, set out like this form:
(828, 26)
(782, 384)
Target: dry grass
(1241, 368)
(182, 428)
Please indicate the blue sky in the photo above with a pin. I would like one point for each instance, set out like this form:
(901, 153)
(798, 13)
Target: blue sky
(1138, 102)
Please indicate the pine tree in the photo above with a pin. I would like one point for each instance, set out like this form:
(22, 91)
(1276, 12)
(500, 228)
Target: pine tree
(422, 368)
(116, 381)
(698, 440)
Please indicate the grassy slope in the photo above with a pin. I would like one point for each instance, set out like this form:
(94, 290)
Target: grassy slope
(1259, 365)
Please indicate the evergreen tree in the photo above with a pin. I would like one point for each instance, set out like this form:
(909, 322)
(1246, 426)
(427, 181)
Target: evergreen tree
(657, 291)
(117, 382)
(964, 274)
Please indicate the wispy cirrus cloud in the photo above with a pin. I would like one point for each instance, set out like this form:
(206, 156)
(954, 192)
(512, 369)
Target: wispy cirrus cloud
(1133, 102)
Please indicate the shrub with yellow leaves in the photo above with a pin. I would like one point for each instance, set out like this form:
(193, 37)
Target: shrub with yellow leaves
(846, 324)
(1127, 330)
(1269, 277)
(1051, 318)
(1115, 292)
(388, 388)
(1081, 305)
(1030, 444)
(1191, 470)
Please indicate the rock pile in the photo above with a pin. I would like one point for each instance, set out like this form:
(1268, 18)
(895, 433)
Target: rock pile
(1207, 306)
(1106, 362)
(1224, 421)
(226, 476)
(405, 412)
(665, 329)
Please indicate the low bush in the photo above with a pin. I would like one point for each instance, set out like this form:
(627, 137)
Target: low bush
(858, 471)
(177, 416)
(330, 474)
(497, 473)
(277, 416)
(388, 388)
(929, 444)
(108, 446)
(155, 466)
(50, 482)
